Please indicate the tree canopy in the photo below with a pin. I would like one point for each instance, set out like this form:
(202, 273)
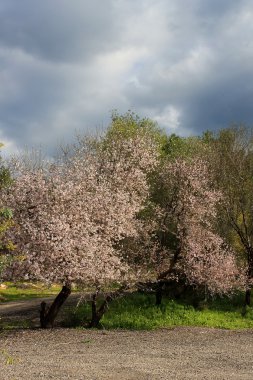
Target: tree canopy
(134, 204)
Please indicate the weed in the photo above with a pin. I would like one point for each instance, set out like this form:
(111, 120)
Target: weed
(8, 359)
(86, 341)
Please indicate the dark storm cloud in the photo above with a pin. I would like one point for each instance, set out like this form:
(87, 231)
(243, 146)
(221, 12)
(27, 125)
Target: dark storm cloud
(64, 65)
(58, 30)
(221, 106)
(45, 49)
(205, 74)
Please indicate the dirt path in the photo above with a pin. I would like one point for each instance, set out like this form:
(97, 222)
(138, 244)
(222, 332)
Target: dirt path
(26, 313)
(181, 353)
(29, 306)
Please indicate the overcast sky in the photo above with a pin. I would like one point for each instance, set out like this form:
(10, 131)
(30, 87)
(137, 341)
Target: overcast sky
(64, 65)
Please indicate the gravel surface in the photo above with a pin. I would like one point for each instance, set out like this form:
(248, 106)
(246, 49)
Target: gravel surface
(180, 353)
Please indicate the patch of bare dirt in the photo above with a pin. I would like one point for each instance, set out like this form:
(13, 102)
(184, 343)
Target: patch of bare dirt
(29, 310)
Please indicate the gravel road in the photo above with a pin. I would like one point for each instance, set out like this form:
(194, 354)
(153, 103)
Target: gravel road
(180, 353)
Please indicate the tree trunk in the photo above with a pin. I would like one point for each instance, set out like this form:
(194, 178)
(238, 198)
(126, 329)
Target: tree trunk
(159, 294)
(247, 297)
(48, 314)
(97, 313)
(173, 262)
(163, 275)
(249, 276)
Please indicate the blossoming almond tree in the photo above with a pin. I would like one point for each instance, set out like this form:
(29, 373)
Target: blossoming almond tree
(71, 215)
(188, 213)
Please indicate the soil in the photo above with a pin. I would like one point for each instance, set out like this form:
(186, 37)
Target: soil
(180, 353)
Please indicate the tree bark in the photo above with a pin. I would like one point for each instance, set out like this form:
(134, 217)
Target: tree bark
(163, 275)
(173, 262)
(248, 297)
(159, 293)
(48, 314)
(249, 275)
(97, 313)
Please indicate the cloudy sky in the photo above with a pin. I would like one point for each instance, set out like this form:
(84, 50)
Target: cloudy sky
(64, 65)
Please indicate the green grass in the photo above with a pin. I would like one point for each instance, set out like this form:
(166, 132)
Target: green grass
(24, 291)
(138, 312)
(15, 324)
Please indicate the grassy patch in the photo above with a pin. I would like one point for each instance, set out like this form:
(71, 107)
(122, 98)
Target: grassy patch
(9, 324)
(138, 311)
(26, 290)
